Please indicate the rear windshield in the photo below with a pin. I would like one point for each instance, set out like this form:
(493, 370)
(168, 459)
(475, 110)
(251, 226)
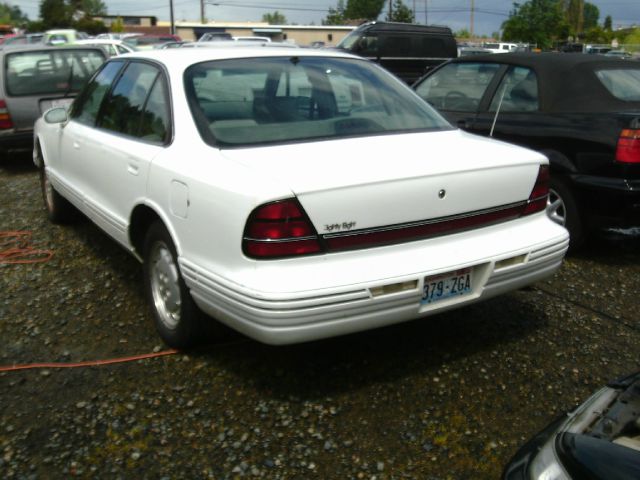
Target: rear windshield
(623, 84)
(242, 102)
(50, 71)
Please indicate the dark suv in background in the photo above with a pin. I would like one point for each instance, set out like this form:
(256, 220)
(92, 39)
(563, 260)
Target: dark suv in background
(406, 50)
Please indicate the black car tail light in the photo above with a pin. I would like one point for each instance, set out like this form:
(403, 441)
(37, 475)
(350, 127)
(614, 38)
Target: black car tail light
(628, 150)
(5, 118)
(280, 229)
(538, 198)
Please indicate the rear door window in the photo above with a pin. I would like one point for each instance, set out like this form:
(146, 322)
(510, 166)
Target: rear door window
(458, 87)
(85, 108)
(518, 92)
(50, 72)
(137, 105)
(624, 84)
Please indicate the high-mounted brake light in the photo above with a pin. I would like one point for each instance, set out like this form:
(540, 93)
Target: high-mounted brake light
(538, 199)
(279, 229)
(5, 118)
(628, 150)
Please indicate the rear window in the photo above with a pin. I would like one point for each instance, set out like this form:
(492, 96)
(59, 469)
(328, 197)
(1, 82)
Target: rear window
(242, 102)
(50, 71)
(623, 84)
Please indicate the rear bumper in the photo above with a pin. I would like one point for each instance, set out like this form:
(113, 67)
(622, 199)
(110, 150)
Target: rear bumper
(13, 139)
(609, 202)
(292, 317)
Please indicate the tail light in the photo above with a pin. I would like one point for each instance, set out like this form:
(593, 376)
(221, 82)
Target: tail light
(5, 118)
(280, 229)
(628, 150)
(538, 199)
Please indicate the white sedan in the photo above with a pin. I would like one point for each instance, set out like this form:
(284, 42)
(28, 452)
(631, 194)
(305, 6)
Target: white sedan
(293, 194)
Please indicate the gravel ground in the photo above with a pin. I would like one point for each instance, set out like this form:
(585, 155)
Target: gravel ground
(451, 397)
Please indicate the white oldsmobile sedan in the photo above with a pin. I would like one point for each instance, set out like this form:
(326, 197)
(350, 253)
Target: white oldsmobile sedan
(293, 194)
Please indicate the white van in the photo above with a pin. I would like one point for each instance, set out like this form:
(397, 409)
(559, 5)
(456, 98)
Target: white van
(500, 47)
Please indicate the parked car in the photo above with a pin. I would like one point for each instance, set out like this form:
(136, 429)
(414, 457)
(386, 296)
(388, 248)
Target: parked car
(26, 39)
(142, 42)
(600, 440)
(581, 111)
(35, 78)
(112, 47)
(407, 50)
(215, 36)
(279, 191)
(63, 36)
(500, 47)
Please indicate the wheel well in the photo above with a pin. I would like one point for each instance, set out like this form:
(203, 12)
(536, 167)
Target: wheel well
(141, 219)
(558, 161)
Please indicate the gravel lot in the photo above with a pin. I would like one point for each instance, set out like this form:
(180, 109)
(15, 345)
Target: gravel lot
(448, 397)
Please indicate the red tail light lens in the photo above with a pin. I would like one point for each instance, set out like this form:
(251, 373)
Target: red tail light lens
(538, 198)
(628, 150)
(5, 118)
(279, 229)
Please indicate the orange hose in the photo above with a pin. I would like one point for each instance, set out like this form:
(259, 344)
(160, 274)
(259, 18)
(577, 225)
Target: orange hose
(88, 363)
(16, 248)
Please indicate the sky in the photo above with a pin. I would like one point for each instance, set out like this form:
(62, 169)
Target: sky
(456, 14)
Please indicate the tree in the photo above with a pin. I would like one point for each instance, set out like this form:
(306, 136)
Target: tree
(591, 15)
(335, 16)
(55, 14)
(400, 13)
(117, 26)
(363, 9)
(275, 18)
(462, 33)
(538, 22)
(608, 23)
(90, 26)
(12, 15)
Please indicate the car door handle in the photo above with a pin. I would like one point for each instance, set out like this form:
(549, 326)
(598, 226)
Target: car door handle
(76, 145)
(462, 124)
(133, 169)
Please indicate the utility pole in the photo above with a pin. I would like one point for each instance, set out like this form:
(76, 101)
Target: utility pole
(173, 24)
(202, 12)
(426, 15)
(390, 9)
(471, 26)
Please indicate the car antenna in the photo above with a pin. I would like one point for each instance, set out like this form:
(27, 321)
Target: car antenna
(495, 117)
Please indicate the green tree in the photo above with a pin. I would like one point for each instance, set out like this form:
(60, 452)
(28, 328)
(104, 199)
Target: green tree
(275, 18)
(537, 22)
(363, 9)
(400, 13)
(462, 33)
(12, 15)
(55, 14)
(591, 15)
(335, 16)
(608, 23)
(117, 26)
(90, 26)
(597, 34)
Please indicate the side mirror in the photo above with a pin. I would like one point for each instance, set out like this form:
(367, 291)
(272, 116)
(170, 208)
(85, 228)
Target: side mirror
(56, 115)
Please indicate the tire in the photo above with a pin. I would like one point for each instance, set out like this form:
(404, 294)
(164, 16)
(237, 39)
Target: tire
(176, 316)
(562, 209)
(58, 208)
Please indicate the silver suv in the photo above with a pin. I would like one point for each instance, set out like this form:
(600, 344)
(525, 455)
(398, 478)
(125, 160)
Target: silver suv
(36, 78)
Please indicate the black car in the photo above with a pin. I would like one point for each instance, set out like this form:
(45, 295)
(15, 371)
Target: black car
(600, 440)
(406, 50)
(582, 111)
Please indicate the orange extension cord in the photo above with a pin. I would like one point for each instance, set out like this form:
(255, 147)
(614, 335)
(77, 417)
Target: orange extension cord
(88, 363)
(16, 248)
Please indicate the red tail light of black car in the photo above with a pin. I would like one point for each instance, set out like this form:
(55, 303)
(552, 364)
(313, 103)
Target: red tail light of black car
(280, 229)
(628, 150)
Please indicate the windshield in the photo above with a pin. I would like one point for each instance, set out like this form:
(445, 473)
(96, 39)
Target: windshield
(243, 102)
(348, 41)
(50, 71)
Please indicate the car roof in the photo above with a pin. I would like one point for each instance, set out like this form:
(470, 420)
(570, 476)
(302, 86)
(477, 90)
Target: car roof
(566, 81)
(44, 47)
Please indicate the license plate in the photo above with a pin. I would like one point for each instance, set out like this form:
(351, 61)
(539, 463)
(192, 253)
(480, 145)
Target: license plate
(446, 285)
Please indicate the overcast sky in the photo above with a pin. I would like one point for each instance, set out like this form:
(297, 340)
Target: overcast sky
(488, 14)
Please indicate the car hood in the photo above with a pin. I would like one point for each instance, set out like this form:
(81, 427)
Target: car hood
(394, 179)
